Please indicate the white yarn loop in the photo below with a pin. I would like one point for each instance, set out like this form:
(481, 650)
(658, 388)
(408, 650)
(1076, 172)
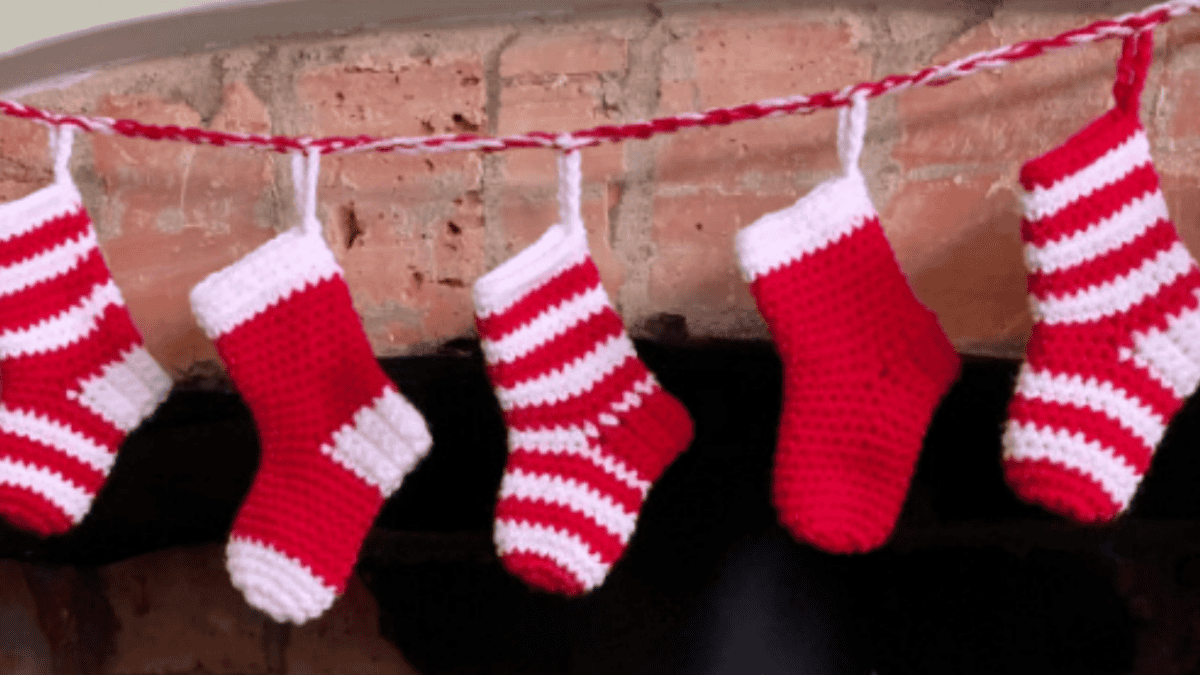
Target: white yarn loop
(306, 167)
(570, 190)
(62, 141)
(852, 127)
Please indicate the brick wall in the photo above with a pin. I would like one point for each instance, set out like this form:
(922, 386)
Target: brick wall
(414, 232)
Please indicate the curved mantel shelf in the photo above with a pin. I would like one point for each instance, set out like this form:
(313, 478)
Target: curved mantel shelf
(256, 21)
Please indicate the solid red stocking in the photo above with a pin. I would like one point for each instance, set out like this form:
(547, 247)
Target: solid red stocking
(864, 362)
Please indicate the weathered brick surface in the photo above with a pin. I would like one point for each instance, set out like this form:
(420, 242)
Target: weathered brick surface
(408, 230)
(712, 182)
(414, 232)
(959, 243)
(169, 214)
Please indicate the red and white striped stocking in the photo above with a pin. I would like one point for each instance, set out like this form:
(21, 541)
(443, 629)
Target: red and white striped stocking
(589, 427)
(76, 377)
(337, 437)
(1115, 347)
(864, 362)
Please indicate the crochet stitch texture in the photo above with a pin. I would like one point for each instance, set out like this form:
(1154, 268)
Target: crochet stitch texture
(590, 429)
(76, 378)
(337, 437)
(864, 362)
(1116, 299)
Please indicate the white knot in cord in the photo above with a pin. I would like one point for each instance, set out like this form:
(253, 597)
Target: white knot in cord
(305, 169)
(852, 127)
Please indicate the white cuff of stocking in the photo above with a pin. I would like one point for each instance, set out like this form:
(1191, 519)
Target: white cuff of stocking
(37, 208)
(559, 248)
(832, 210)
(287, 264)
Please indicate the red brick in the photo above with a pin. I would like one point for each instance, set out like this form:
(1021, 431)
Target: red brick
(696, 263)
(563, 51)
(1009, 115)
(738, 59)
(410, 271)
(24, 158)
(707, 218)
(410, 99)
(527, 216)
(555, 82)
(176, 213)
(575, 105)
(959, 243)
(1176, 97)
(420, 235)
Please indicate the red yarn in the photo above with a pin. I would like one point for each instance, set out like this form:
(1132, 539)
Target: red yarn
(1115, 348)
(337, 437)
(589, 427)
(76, 378)
(930, 76)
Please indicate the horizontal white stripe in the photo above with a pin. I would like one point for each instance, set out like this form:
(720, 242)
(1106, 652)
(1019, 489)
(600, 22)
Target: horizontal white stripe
(71, 499)
(279, 585)
(635, 396)
(575, 442)
(566, 549)
(382, 443)
(558, 249)
(1112, 473)
(126, 391)
(1092, 394)
(266, 276)
(38, 208)
(546, 326)
(1119, 294)
(573, 379)
(57, 436)
(1109, 168)
(573, 495)
(1172, 356)
(831, 211)
(66, 328)
(47, 265)
(1107, 235)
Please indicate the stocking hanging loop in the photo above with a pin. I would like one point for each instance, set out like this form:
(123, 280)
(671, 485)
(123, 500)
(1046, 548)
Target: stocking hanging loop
(306, 167)
(62, 140)
(1137, 51)
(852, 127)
(570, 189)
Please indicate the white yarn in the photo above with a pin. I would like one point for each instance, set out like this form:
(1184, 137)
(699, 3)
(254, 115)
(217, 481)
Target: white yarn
(852, 127)
(305, 169)
(570, 189)
(62, 141)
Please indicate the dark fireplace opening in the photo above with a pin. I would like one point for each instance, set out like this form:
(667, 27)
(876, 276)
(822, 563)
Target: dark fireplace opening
(972, 580)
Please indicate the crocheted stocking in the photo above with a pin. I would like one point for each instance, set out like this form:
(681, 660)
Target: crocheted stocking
(864, 362)
(337, 437)
(1115, 348)
(589, 427)
(76, 378)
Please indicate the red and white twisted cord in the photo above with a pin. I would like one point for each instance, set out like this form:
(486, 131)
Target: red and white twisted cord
(611, 133)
